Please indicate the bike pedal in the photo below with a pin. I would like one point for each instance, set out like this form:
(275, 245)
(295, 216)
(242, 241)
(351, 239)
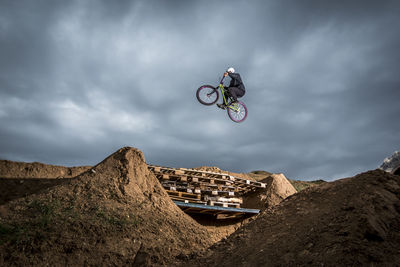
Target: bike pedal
(221, 106)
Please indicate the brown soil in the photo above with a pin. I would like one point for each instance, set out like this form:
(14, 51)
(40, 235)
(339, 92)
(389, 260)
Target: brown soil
(278, 188)
(301, 185)
(20, 179)
(115, 213)
(12, 169)
(349, 222)
(259, 175)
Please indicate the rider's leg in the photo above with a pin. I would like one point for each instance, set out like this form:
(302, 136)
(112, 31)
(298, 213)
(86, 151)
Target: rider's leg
(235, 93)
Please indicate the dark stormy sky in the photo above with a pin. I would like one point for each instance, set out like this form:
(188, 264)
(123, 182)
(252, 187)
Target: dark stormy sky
(81, 79)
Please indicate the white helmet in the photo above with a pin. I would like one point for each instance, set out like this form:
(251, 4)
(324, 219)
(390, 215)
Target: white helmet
(231, 70)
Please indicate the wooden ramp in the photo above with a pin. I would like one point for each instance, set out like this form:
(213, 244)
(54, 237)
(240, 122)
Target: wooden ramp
(215, 210)
(205, 191)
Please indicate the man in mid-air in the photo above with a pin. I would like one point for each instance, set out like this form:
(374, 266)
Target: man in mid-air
(236, 87)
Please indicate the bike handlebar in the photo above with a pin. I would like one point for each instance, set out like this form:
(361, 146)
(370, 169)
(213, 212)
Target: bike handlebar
(223, 77)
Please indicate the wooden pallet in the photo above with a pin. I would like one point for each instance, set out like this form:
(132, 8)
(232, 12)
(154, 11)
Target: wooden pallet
(184, 194)
(223, 204)
(188, 200)
(235, 200)
(184, 174)
(199, 185)
(203, 183)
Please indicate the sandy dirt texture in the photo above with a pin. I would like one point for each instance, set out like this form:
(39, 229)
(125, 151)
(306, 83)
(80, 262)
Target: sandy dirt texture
(20, 179)
(349, 222)
(277, 189)
(113, 214)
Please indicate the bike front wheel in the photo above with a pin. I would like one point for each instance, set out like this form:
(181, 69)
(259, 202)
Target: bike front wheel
(237, 112)
(207, 95)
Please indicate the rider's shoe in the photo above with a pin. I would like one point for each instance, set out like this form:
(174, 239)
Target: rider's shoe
(232, 103)
(221, 106)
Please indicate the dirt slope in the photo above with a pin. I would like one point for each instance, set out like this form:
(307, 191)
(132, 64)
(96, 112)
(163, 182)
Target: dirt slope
(278, 188)
(354, 221)
(20, 179)
(301, 185)
(12, 169)
(116, 213)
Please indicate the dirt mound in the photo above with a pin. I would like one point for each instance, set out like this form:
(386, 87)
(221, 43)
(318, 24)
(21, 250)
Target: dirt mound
(20, 179)
(115, 213)
(12, 169)
(301, 185)
(353, 221)
(278, 188)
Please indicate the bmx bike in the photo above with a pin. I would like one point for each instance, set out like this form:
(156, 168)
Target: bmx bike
(208, 95)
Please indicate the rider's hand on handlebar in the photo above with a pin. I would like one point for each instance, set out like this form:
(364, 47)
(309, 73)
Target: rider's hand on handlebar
(225, 74)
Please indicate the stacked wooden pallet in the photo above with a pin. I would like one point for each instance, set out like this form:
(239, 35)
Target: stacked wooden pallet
(204, 187)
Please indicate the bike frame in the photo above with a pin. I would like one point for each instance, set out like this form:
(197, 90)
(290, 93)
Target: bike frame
(221, 87)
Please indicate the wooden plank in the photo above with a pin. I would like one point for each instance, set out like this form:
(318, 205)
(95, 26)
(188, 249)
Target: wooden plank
(190, 200)
(223, 204)
(205, 182)
(202, 187)
(183, 194)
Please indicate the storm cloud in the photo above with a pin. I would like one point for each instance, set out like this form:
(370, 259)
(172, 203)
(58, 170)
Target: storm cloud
(80, 79)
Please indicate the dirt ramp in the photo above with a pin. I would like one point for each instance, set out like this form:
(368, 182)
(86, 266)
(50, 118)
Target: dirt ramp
(354, 221)
(278, 188)
(115, 213)
(122, 176)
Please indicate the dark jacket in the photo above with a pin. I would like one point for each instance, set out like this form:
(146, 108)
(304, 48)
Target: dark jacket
(236, 81)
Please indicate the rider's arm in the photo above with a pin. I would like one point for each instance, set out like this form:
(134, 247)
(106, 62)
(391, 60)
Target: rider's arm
(233, 75)
(236, 79)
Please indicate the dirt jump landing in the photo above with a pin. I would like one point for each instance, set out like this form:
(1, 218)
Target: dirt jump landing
(353, 221)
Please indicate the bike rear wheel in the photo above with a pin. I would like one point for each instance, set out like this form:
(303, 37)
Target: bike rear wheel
(207, 95)
(237, 112)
